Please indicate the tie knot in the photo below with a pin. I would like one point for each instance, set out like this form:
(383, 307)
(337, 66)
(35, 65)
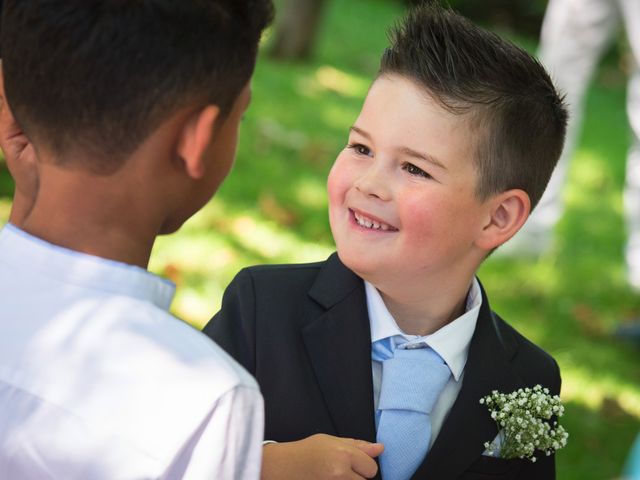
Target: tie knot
(382, 350)
(420, 374)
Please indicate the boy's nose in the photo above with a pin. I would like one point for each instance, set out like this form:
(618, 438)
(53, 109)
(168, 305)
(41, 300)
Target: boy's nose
(374, 183)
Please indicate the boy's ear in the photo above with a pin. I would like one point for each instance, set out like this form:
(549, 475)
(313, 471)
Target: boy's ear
(195, 137)
(509, 211)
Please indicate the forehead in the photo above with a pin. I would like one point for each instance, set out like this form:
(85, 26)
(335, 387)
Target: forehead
(399, 113)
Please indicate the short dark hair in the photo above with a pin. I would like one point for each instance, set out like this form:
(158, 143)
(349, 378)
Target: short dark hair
(101, 75)
(515, 109)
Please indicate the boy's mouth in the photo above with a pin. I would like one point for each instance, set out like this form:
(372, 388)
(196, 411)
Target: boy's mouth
(371, 223)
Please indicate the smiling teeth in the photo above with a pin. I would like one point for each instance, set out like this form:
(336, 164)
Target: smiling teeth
(368, 223)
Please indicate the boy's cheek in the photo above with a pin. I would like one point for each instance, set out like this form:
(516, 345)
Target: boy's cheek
(336, 184)
(345, 172)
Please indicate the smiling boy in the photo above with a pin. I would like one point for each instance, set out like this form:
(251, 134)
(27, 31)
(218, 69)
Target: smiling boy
(393, 339)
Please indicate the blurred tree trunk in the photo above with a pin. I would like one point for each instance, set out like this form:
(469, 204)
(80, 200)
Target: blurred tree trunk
(296, 29)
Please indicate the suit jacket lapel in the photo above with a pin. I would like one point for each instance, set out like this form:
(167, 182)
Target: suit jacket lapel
(468, 425)
(338, 340)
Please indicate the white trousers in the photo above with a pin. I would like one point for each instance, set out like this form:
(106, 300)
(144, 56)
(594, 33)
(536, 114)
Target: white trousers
(575, 35)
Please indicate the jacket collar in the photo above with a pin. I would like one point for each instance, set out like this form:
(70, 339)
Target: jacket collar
(334, 283)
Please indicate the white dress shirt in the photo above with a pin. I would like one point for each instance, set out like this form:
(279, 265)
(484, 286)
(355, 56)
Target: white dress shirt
(451, 342)
(98, 381)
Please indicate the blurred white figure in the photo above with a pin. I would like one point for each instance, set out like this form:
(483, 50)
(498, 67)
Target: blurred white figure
(575, 35)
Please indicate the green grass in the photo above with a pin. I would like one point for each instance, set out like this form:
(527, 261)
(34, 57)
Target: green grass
(273, 209)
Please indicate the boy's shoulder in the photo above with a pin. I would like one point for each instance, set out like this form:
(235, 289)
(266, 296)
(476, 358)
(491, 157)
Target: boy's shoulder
(161, 343)
(277, 279)
(327, 281)
(153, 366)
(284, 269)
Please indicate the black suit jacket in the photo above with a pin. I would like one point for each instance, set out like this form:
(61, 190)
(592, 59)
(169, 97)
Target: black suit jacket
(303, 332)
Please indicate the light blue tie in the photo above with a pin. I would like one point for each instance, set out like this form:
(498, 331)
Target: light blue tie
(412, 380)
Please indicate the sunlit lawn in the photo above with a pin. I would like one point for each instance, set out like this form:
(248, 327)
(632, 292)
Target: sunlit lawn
(273, 209)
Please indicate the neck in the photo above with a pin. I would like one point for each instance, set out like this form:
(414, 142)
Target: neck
(424, 310)
(97, 215)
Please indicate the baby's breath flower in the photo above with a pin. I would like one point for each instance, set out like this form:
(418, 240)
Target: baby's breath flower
(525, 417)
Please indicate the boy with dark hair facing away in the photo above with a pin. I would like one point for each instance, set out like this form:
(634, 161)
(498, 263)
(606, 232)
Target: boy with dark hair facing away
(133, 109)
(393, 338)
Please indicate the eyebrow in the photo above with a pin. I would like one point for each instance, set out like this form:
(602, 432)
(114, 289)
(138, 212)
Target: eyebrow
(423, 156)
(360, 131)
(406, 150)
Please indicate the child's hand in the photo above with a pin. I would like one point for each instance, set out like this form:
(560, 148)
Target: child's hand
(320, 457)
(21, 160)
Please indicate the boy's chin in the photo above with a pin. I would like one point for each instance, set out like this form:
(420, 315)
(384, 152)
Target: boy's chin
(358, 264)
(170, 226)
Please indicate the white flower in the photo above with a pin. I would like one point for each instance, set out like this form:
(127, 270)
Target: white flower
(525, 417)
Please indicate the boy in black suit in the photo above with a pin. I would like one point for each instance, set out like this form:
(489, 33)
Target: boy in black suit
(454, 146)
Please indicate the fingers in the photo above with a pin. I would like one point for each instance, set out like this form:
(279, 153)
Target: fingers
(321, 456)
(362, 464)
(362, 457)
(372, 449)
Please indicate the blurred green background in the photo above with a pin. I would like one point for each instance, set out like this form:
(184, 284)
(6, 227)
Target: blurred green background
(272, 209)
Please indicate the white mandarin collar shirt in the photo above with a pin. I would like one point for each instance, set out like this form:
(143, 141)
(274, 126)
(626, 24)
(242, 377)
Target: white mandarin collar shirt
(99, 381)
(451, 342)
(31, 253)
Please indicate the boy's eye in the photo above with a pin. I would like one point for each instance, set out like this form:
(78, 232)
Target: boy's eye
(413, 170)
(360, 149)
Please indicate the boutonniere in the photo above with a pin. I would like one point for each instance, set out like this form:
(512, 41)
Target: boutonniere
(524, 418)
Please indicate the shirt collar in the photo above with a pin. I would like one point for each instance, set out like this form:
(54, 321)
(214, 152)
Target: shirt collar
(451, 342)
(25, 251)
